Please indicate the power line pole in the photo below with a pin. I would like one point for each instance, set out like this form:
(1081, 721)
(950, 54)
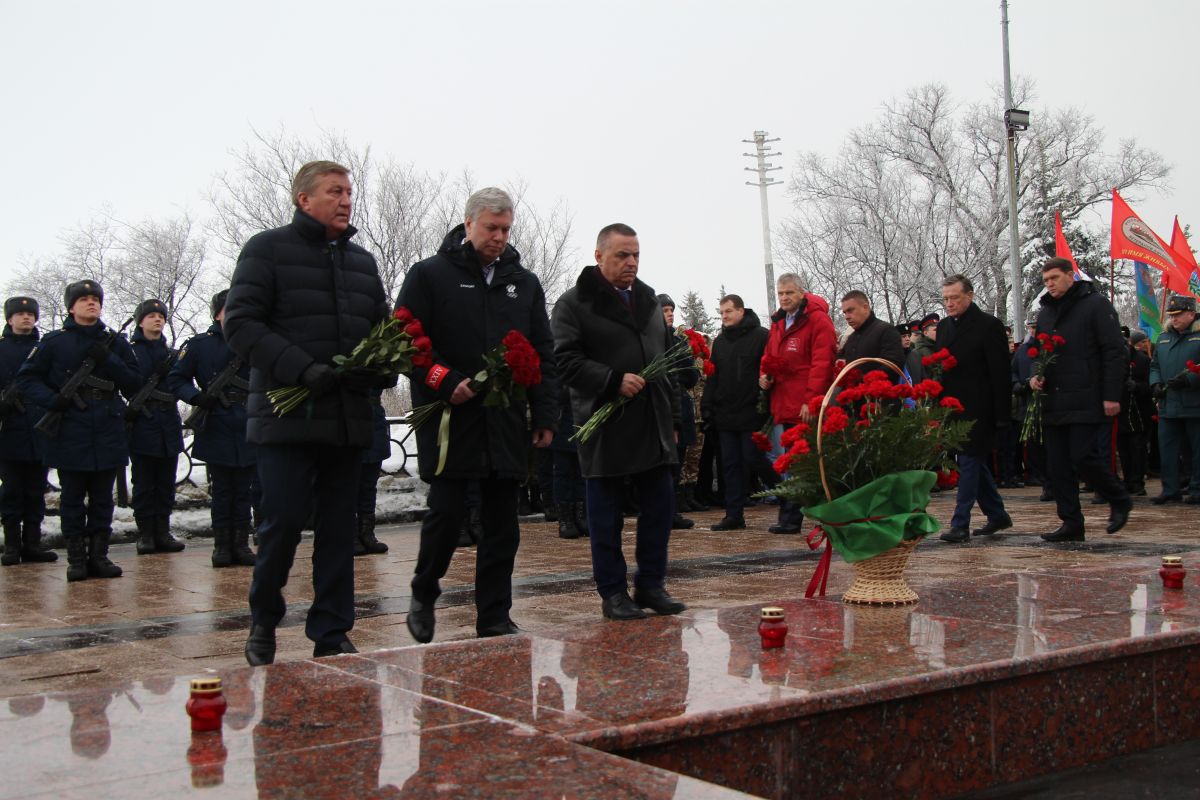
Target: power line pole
(1014, 120)
(762, 151)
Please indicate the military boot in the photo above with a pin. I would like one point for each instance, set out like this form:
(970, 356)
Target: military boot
(12, 544)
(31, 544)
(222, 554)
(163, 540)
(145, 540)
(567, 529)
(243, 556)
(98, 565)
(77, 559)
(579, 511)
(366, 536)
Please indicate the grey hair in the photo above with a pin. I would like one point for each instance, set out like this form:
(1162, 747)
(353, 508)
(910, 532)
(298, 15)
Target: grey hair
(490, 199)
(306, 177)
(790, 277)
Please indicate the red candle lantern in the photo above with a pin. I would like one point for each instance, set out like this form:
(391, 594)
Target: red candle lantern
(772, 628)
(207, 704)
(1172, 572)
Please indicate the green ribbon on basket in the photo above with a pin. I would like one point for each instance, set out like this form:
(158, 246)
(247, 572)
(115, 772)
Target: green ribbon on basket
(443, 439)
(870, 520)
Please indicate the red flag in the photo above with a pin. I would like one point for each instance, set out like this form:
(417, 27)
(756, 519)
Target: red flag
(1185, 260)
(1063, 250)
(1132, 238)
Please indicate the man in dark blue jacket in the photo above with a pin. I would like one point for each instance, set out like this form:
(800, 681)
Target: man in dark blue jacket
(219, 422)
(23, 494)
(89, 445)
(155, 433)
(303, 294)
(468, 297)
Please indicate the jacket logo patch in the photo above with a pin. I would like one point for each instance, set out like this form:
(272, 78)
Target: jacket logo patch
(512, 291)
(466, 286)
(793, 346)
(437, 373)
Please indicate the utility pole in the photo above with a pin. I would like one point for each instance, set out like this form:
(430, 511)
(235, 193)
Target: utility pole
(762, 151)
(1014, 120)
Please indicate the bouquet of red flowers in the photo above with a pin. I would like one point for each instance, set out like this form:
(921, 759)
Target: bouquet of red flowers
(701, 353)
(1043, 353)
(393, 347)
(938, 362)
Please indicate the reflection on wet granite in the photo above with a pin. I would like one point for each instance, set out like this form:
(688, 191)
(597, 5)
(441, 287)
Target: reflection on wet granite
(986, 680)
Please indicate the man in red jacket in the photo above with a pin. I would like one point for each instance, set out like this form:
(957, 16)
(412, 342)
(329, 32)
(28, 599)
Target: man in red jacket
(797, 366)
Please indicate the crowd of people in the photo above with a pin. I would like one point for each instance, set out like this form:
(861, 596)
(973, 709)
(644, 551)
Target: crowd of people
(85, 400)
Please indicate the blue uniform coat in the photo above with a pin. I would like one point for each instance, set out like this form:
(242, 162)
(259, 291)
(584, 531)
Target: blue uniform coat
(223, 440)
(18, 441)
(161, 434)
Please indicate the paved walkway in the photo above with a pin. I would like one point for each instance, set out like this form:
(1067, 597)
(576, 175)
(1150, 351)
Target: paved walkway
(173, 616)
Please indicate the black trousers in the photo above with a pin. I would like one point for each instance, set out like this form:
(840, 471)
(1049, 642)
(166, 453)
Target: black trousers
(1134, 452)
(1074, 452)
(1178, 437)
(605, 497)
(496, 552)
(327, 478)
(230, 488)
(568, 480)
(368, 487)
(94, 518)
(23, 492)
(741, 461)
(153, 495)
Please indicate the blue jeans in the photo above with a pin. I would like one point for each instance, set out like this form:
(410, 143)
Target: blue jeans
(605, 497)
(975, 484)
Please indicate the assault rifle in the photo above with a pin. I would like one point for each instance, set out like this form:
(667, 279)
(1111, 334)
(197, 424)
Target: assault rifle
(150, 391)
(197, 419)
(10, 401)
(51, 420)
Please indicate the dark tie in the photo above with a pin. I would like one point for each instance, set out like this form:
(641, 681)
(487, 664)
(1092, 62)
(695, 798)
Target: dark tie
(627, 296)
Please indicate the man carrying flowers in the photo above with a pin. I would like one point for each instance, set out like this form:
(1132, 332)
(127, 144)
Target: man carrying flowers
(470, 297)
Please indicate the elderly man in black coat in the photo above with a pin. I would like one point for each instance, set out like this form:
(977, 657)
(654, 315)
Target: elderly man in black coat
(607, 328)
(1082, 393)
(468, 297)
(982, 382)
(301, 295)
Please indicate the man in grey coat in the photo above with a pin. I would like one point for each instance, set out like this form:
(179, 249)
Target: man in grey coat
(607, 328)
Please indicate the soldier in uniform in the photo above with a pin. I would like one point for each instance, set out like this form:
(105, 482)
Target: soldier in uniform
(220, 442)
(22, 496)
(1177, 391)
(155, 433)
(88, 446)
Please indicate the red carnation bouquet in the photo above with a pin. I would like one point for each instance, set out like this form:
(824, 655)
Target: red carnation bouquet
(701, 354)
(393, 347)
(1043, 353)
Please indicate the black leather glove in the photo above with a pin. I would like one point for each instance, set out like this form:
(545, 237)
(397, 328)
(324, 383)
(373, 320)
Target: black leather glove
(60, 403)
(206, 401)
(318, 379)
(360, 379)
(98, 352)
(1179, 382)
(1158, 391)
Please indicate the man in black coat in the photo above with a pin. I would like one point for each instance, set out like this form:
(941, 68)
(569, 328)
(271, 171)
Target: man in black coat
(687, 377)
(1081, 394)
(302, 294)
(872, 337)
(982, 382)
(607, 329)
(468, 297)
(23, 493)
(1022, 371)
(1137, 406)
(730, 405)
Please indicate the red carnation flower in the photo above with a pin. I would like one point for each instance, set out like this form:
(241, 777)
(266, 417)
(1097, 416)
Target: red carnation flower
(952, 403)
(1058, 339)
(783, 463)
(709, 367)
(761, 441)
(794, 434)
(836, 420)
(1032, 352)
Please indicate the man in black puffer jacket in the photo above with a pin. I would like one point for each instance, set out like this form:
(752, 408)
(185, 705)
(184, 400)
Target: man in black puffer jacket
(1082, 393)
(468, 297)
(730, 404)
(300, 295)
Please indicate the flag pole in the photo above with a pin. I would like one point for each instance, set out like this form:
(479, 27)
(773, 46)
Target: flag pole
(1112, 281)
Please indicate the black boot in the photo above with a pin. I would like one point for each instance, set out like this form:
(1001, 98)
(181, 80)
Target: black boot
(688, 490)
(366, 536)
(98, 565)
(222, 554)
(536, 504)
(551, 512)
(145, 540)
(164, 542)
(12, 544)
(472, 528)
(77, 558)
(579, 508)
(239, 544)
(681, 523)
(31, 544)
(524, 507)
(567, 529)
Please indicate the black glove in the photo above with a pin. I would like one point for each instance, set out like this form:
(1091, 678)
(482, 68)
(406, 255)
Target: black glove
(1158, 391)
(360, 379)
(60, 403)
(1179, 382)
(98, 352)
(318, 378)
(206, 401)
(1130, 386)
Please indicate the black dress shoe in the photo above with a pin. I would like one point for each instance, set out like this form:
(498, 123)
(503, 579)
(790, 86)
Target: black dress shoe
(1098, 500)
(1118, 515)
(1064, 534)
(420, 621)
(1166, 498)
(681, 523)
(619, 606)
(1045, 497)
(506, 628)
(956, 536)
(781, 528)
(260, 646)
(1192, 500)
(658, 601)
(993, 525)
(730, 524)
(323, 650)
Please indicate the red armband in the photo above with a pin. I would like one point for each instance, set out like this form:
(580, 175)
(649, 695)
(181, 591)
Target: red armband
(437, 373)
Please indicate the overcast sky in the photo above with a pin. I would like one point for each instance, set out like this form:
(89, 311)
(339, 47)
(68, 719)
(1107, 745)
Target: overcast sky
(629, 111)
